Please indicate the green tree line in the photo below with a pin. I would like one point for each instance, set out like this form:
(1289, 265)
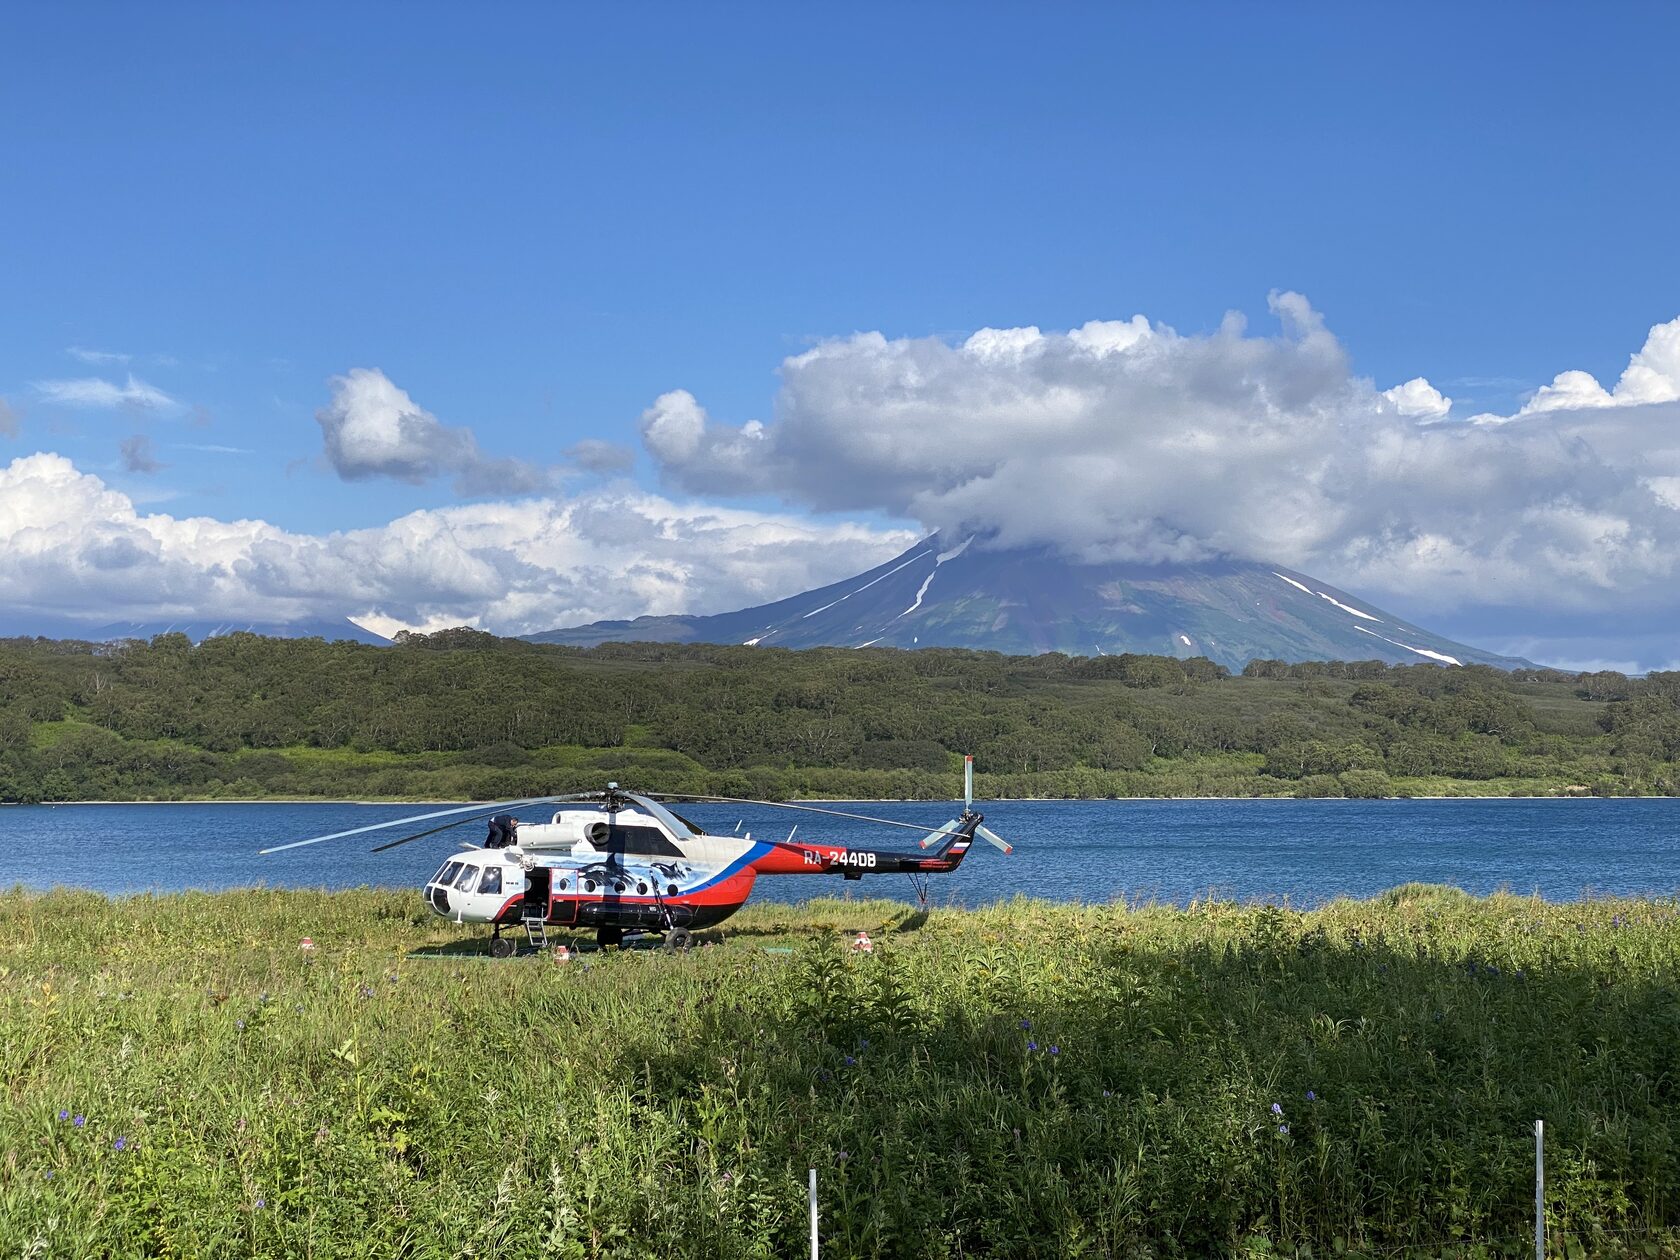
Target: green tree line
(465, 715)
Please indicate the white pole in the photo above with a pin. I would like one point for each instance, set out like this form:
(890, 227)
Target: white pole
(1539, 1190)
(813, 1214)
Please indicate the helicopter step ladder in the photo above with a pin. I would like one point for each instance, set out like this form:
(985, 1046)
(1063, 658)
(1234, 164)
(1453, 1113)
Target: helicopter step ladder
(536, 928)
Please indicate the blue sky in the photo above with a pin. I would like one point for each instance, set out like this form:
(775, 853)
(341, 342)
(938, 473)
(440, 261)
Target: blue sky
(537, 220)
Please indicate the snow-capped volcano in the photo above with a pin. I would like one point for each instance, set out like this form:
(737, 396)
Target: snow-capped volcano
(1022, 602)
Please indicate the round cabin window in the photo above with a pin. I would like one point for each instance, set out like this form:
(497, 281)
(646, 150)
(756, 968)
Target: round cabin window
(642, 889)
(670, 890)
(589, 885)
(562, 885)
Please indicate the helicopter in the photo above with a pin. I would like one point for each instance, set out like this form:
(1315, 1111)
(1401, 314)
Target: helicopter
(619, 862)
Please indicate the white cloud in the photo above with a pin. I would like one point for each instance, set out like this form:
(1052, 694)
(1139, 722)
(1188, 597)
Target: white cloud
(1130, 441)
(1417, 397)
(71, 546)
(100, 358)
(1003, 345)
(372, 428)
(1651, 376)
(94, 391)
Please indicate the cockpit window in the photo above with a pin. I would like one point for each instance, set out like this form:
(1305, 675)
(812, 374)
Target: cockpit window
(467, 878)
(447, 875)
(492, 881)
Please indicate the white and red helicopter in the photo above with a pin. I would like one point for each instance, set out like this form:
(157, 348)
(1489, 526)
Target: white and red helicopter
(620, 862)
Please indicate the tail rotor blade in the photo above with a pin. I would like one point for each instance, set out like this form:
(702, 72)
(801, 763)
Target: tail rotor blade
(992, 837)
(944, 832)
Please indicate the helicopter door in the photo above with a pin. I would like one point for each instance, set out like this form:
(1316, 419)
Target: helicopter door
(536, 899)
(563, 904)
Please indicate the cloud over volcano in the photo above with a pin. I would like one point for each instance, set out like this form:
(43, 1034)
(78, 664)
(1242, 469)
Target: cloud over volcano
(1126, 440)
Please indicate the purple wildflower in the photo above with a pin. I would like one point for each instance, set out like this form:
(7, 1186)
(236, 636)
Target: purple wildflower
(1055, 1049)
(262, 1203)
(63, 1115)
(1026, 1025)
(239, 1024)
(1283, 1130)
(1311, 1097)
(120, 1144)
(79, 1121)
(850, 1061)
(1277, 1109)
(1032, 1045)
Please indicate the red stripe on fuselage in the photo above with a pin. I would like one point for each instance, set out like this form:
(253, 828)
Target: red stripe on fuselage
(727, 896)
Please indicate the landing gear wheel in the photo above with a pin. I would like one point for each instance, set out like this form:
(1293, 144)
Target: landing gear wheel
(500, 947)
(678, 939)
(609, 936)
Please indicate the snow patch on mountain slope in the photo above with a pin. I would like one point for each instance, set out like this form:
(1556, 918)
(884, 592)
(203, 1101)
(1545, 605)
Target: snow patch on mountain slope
(1307, 590)
(1437, 656)
(943, 556)
(1345, 608)
(920, 592)
(912, 560)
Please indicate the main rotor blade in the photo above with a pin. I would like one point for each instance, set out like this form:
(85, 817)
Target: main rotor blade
(809, 809)
(431, 831)
(414, 818)
(986, 833)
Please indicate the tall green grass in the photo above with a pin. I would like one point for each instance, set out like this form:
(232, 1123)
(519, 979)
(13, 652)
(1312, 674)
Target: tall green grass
(1027, 1080)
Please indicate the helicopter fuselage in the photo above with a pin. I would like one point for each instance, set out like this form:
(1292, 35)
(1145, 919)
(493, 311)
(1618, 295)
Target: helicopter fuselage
(646, 868)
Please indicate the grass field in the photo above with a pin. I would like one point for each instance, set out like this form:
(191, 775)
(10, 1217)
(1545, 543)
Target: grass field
(183, 1079)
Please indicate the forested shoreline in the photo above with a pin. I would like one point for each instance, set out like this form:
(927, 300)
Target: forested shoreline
(463, 715)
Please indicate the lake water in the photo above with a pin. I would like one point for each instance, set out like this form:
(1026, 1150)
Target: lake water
(1304, 852)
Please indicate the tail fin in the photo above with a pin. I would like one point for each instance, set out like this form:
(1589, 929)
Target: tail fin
(958, 838)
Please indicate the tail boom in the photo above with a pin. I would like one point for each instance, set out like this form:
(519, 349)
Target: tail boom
(788, 857)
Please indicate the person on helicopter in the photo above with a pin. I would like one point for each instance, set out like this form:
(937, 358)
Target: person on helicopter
(504, 831)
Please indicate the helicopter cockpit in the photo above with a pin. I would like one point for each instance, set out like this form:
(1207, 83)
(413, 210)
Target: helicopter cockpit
(462, 880)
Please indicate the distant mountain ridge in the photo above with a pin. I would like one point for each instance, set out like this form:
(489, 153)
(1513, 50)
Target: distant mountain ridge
(197, 631)
(1030, 601)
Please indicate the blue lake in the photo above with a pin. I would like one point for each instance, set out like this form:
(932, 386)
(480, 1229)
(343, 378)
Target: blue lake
(1304, 852)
